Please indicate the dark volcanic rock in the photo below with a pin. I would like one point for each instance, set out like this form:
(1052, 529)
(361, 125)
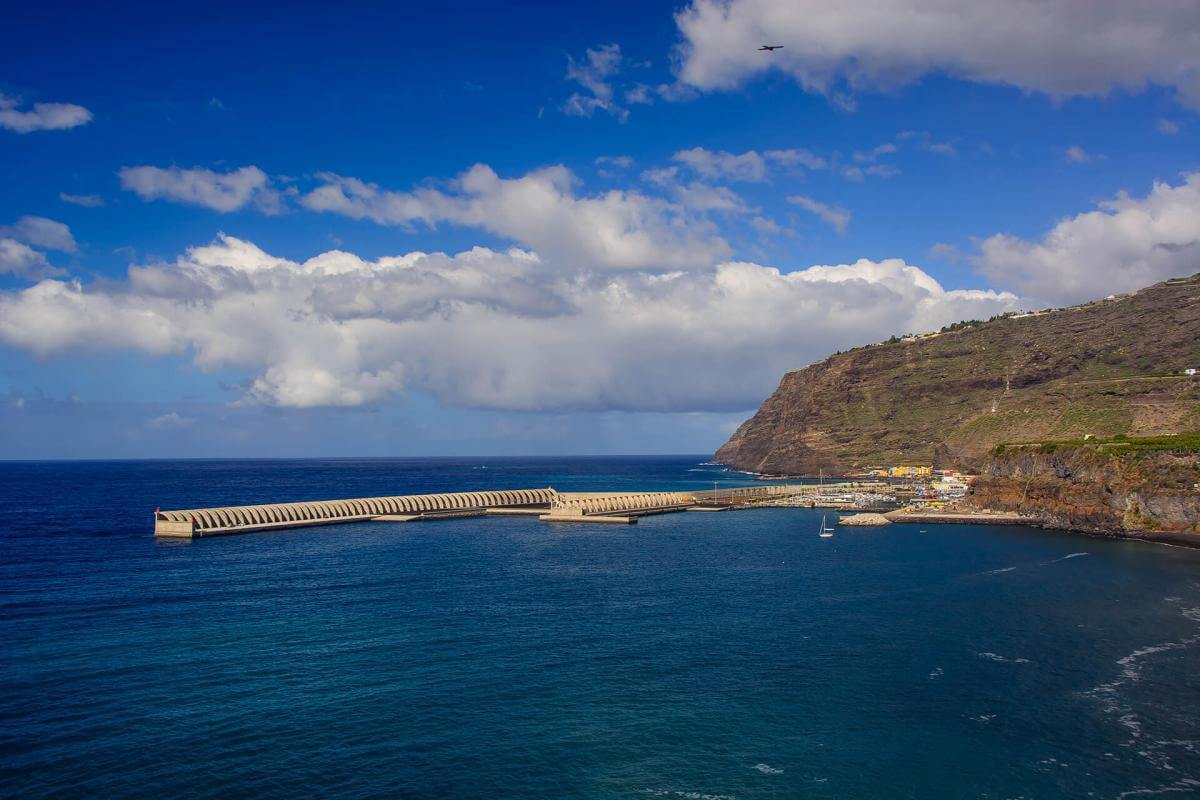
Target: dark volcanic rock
(1097, 490)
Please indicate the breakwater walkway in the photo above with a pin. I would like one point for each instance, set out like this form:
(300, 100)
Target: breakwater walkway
(548, 505)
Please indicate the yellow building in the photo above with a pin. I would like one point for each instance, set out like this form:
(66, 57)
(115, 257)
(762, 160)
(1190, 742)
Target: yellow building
(910, 472)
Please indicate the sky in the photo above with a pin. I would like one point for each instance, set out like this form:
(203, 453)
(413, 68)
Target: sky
(253, 230)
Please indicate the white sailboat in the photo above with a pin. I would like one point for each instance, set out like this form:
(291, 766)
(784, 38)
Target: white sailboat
(825, 532)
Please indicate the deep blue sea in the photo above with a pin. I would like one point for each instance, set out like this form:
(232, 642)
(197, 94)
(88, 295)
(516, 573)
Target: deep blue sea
(694, 655)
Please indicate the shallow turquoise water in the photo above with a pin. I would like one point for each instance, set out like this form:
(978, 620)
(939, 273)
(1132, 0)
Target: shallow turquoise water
(690, 656)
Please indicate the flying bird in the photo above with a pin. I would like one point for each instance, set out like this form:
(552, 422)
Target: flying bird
(770, 47)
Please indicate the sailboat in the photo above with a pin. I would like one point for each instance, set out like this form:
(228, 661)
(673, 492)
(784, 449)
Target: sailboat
(825, 532)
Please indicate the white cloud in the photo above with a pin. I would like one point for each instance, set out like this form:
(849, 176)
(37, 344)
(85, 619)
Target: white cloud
(485, 328)
(871, 156)
(22, 261)
(717, 165)
(639, 94)
(42, 117)
(882, 170)
(834, 216)
(171, 421)
(624, 162)
(1062, 48)
(85, 200)
(859, 174)
(766, 226)
(1077, 155)
(695, 196)
(618, 229)
(797, 157)
(1167, 127)
(219, 191)
(1128, 243)
(594, 74)
(41, 232)
(944, 251)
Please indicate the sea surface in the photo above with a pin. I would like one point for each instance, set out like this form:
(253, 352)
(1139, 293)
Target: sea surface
(695, 656)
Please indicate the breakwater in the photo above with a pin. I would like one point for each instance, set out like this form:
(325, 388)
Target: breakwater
(546, 504)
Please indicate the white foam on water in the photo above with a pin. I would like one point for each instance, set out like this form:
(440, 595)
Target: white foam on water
(767, 769)
(937, 673)
(687, 794)
(1113, 703)
(1002, 660)
(998, 571)
(1064, 558)
(984, 718)
(1182, 785)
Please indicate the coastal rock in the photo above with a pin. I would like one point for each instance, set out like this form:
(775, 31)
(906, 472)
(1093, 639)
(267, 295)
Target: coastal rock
(1097, 489)
(864, 519)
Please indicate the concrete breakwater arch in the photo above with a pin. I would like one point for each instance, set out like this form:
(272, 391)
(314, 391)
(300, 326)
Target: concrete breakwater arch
(244, 519)
(547, 504)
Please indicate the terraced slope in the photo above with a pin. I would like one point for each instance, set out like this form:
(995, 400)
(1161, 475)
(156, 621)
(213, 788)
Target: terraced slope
(1104, 368)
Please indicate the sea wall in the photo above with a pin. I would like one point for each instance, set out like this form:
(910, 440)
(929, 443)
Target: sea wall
(1094, 490)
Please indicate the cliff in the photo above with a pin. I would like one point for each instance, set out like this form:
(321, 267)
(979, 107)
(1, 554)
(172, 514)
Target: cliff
(1117, 487)
(1109, 367)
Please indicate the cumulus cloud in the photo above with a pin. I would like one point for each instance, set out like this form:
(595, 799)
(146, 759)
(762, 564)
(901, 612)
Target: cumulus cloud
(41, 117)
(594, 73)
(41, 232)
(484, 328)
(618, 229)
(219, 191)
(85, 200)
(1127, 243)
(834, 216)
(21, 260)
(1061, 48)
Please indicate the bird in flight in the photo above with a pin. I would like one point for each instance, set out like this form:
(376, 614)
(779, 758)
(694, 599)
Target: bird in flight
(771, 47)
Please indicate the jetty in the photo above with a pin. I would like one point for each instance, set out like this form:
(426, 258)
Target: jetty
(961, 517)
(547, 505)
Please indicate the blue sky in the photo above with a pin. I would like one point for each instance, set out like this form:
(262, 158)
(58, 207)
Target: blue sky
(645, 221)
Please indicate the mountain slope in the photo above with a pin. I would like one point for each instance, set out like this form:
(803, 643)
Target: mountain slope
(1108, 367)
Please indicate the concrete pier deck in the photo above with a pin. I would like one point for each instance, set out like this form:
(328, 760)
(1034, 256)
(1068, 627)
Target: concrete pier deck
(546, 504)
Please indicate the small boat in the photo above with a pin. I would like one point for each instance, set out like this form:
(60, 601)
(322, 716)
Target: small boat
(825, 532)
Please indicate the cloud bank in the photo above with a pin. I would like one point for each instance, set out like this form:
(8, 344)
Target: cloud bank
(615, 230)
(483, 328)
(1126, 244)
(1062, 48)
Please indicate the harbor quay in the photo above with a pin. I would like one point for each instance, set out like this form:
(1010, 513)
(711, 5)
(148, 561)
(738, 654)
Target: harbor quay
(547, 505)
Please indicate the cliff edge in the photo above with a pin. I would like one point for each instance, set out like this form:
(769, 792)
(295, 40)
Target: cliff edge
(1118, 487)
(1113, 366)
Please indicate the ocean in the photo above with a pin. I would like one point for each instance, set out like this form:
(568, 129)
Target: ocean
(695, 656)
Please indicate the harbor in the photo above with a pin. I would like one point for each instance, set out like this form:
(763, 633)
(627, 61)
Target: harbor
(546, 504)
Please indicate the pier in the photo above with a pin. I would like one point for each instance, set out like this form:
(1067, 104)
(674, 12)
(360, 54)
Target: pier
(548, 505)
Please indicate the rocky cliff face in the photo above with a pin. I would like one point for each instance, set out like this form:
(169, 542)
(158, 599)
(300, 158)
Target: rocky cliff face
(1098, 491)
(1110, 367)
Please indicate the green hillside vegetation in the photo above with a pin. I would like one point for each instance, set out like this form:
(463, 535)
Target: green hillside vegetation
(1117, 445)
